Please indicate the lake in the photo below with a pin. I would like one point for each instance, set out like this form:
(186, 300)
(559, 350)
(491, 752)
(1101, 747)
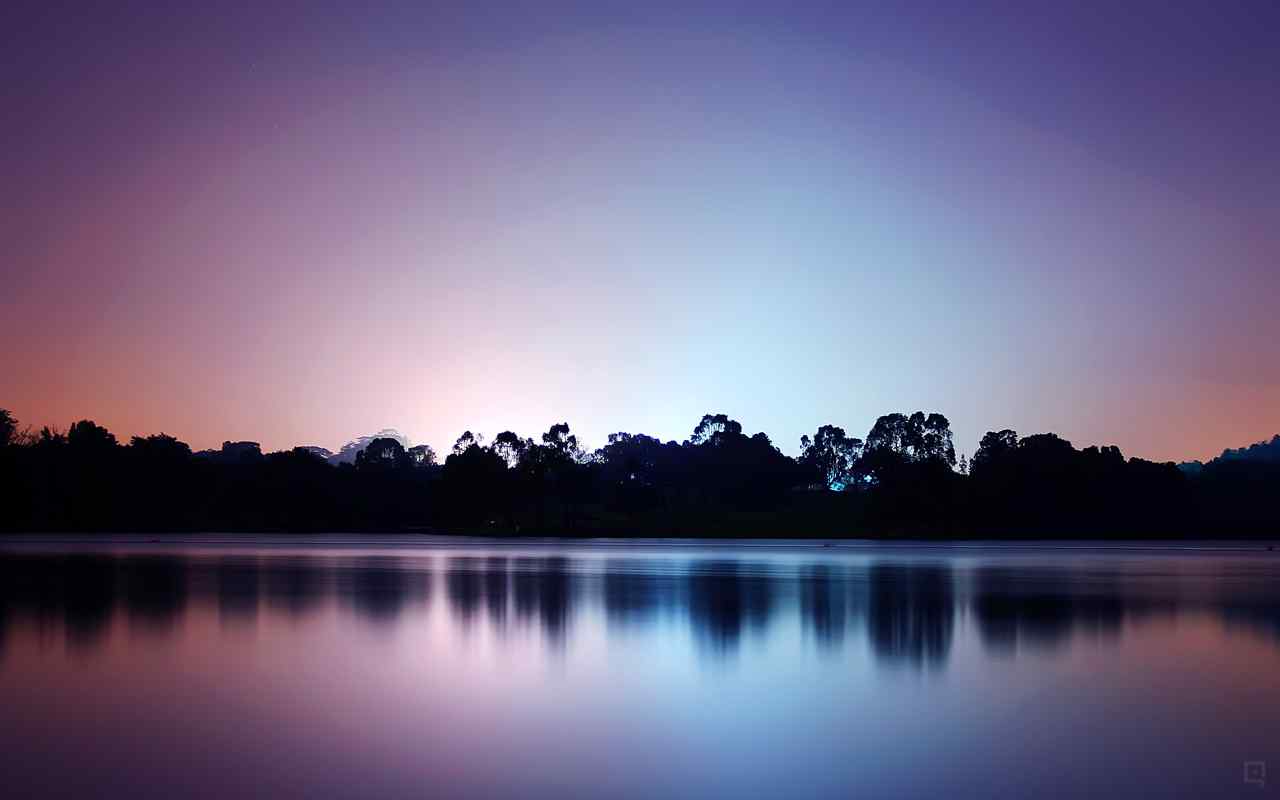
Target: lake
(223, 666)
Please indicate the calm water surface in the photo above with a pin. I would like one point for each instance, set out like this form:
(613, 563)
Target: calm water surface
(412, 667)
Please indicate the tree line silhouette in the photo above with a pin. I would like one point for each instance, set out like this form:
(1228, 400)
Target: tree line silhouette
(902, 479)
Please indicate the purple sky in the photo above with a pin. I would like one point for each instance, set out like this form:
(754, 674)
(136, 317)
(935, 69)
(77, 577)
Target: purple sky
(299, 224)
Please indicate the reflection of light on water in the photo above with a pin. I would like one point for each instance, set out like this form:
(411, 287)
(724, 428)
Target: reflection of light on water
(906, 608)
(479, 668)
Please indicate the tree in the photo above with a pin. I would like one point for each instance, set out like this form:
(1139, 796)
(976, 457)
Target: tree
(637, 472)
(562, 442)
(87, 437)
(349, 451)
(908, 461)
(50, 438)
(422, 456)
(726, 468)
(511, 448)
(1048, 449)
(383, 454)
(995, 445)
(467, 441)
(831, 457)
(632, 457)
(714, 429)
(890, 434)
(933, 434)
(476, 480)
(234, 453)
(913, 439)
(160, 448)
(8, 427)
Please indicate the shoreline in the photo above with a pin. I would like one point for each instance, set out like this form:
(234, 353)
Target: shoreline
(18, 541)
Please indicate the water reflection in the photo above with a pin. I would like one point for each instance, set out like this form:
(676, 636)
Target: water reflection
(906, 609)
(238, 591)
(155, 590)
(1257, 616)
(89, 598)
(293, 585)
(1040, 608)
(824, 599)
(543, 592)
(726, 598)
(379, 589)
(464, 580)
(496, 591)
(911, 613)
(698, 670)
(636, 591)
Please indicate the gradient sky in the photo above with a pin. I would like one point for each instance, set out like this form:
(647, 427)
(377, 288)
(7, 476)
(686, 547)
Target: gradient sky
(301, 223)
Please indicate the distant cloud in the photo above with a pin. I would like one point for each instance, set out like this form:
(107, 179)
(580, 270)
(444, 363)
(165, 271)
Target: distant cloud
(349, 451)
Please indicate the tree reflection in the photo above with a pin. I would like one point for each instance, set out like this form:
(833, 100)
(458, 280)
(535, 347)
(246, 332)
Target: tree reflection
(293, 584)
(542, 590)
(1040, 608)
(78, 590)
(725, 598)
(1257, 614)
(910, 608)
(911, 613)
(636, 589)
(89, 598)
(496, 583)
(463, 583)
(557, 595)
(238, 590)
(380, 588)
(31, 588)
(155, 589)
(823, 603)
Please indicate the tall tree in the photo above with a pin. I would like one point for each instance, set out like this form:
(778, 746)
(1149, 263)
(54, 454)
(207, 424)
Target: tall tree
(422, 455)
(8, 427)
(467, 441)
(87, 437)
(383, 454)
(563, 443)
(916, 438)
(511, 448)
(831, 457)
(995, 445)
(714, 429)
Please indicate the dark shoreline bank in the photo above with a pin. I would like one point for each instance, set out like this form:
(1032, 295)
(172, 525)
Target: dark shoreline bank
(1260, 543)
(903, 482)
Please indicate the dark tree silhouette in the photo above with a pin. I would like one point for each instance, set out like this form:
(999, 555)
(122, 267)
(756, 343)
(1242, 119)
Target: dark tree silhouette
(8, 427)
(564, 444)
(720, 481)
(637, 473)
(916, 438)
(86, 437)
(511, 448)
(832, 457)
(422, 456)
(713, 428)
(383, 454)
(994, 447)
(474, 477)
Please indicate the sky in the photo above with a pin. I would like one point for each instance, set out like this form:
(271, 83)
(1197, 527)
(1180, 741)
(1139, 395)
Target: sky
(300, 223)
